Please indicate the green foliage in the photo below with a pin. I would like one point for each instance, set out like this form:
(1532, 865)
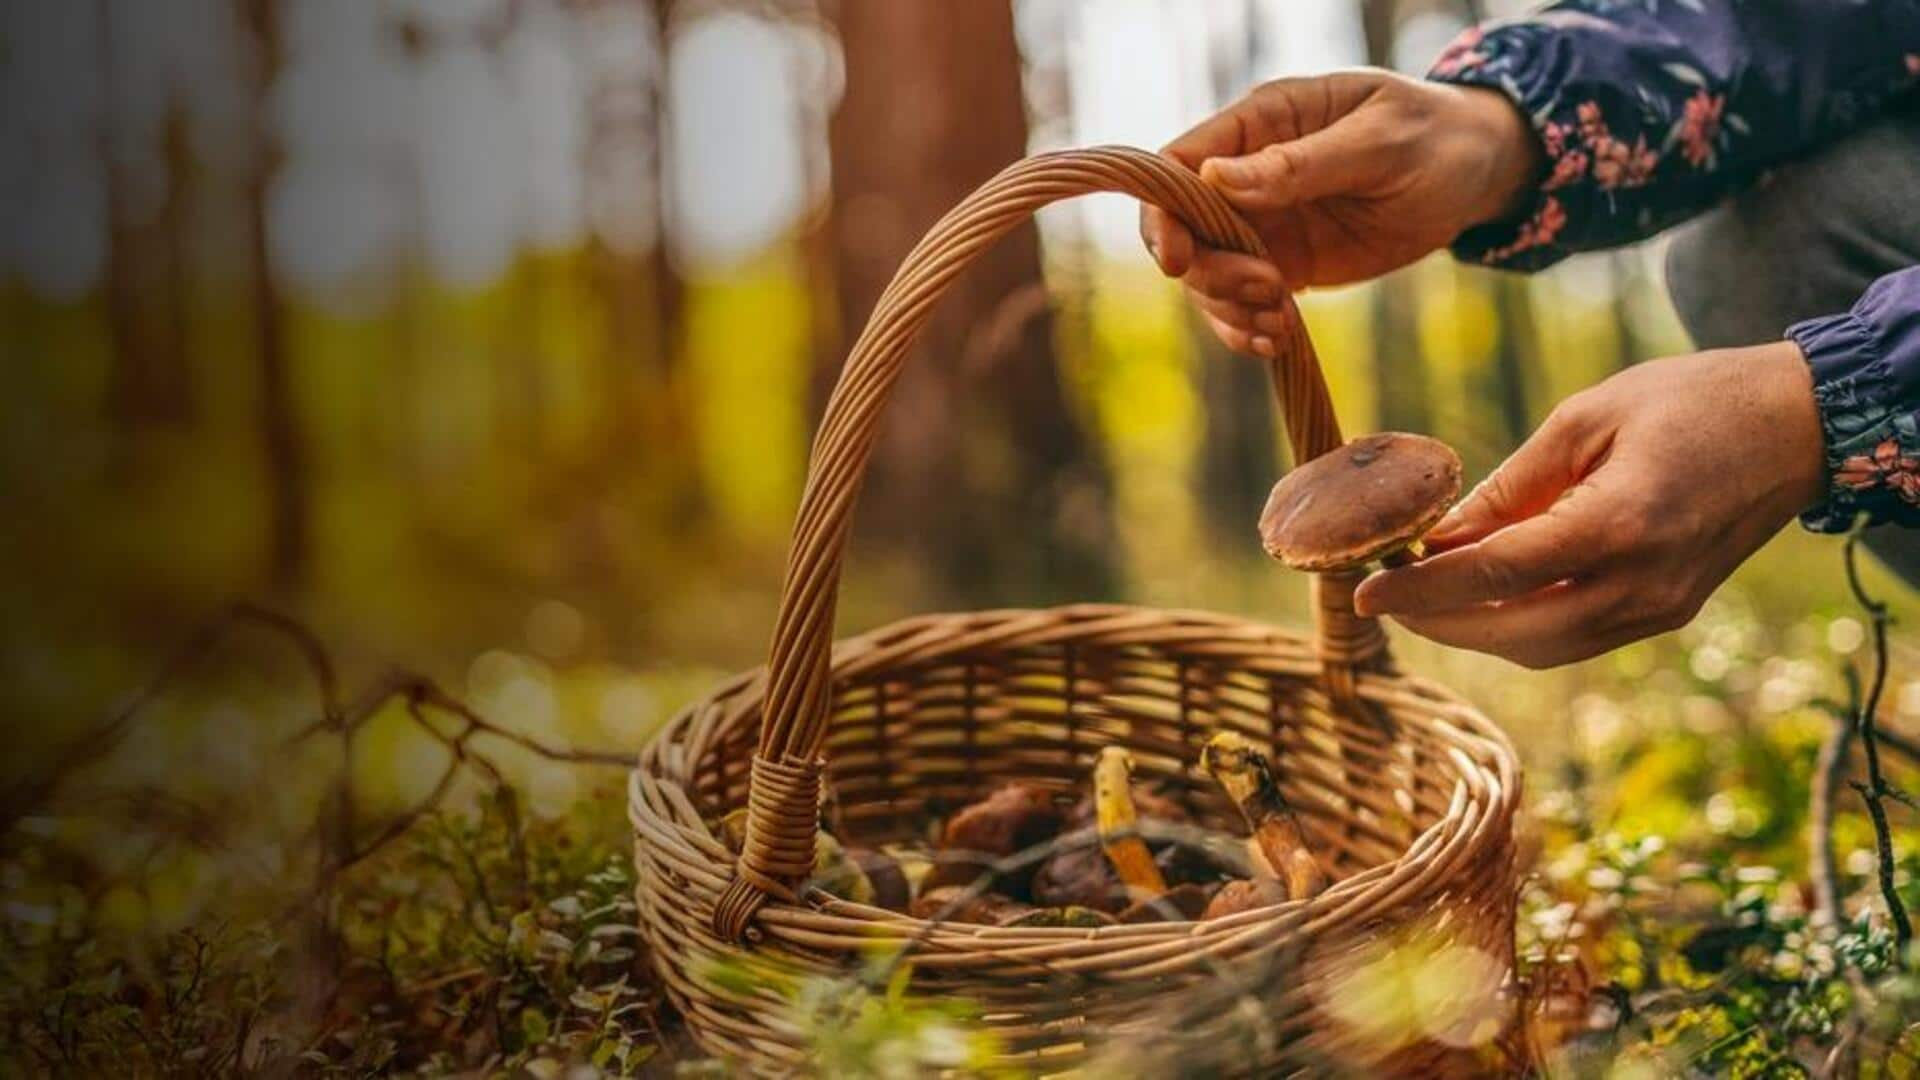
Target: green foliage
(486, 940)
(867, 1027)
(478, 942)
(1672, 914)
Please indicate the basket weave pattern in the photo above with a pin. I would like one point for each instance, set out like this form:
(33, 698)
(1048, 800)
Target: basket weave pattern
(1407, 792)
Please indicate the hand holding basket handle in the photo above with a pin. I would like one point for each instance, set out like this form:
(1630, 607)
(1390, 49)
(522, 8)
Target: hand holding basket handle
(783, 805)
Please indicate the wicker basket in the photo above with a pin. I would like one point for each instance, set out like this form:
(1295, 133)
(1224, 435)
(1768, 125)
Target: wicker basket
(1408, 792)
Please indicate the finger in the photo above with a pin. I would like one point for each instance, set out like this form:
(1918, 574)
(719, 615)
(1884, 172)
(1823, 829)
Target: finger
(1223, 134)
(1229, 275)
(1553, 458)
(1558, 625)
(1272, 112)
(1238, 316)
(1512, 562)
(1245, 342)
(1273, 323)
(1337, 160)
(1290, 247)
(1168, 240)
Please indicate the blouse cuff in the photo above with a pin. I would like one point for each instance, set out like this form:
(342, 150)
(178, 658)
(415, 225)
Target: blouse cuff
(1866, 364)
(1534, 238)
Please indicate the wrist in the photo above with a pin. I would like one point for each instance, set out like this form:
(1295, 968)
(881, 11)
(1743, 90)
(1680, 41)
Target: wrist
(1515, 159)
(1786, 383)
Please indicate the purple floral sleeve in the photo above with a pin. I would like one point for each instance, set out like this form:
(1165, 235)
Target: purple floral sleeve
(1651, 110)
(1866, 379)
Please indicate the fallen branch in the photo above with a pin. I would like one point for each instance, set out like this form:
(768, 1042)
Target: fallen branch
(1836, 752)
(339, 830)
(1876, 790)
(97, 742)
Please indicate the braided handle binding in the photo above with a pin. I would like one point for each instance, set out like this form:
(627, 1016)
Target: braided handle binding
(782, 813)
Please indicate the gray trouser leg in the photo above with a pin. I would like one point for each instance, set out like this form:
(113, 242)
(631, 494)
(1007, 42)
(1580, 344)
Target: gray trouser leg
(1806, 242)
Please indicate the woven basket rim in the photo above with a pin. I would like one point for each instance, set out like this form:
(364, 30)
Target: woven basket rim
(1479, 750)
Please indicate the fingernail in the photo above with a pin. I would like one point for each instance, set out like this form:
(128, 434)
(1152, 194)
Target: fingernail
(1229, 171)
(1153, 249)
(1259, 294)
(1263, 345)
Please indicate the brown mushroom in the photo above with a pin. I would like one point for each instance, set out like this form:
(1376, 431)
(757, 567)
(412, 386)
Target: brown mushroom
(1118, 825)
(1237, 896)
(1188, 901)
(1077, 874)
(1113, 863)
(1015, 817)
(956, 903)
(1371, 499)
(1278, 845)
(887, 876)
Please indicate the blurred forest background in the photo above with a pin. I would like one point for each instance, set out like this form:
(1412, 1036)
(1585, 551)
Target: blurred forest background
(502, 324)
(486, 337)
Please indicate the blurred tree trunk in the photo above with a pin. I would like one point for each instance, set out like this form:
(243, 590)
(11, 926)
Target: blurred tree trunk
(1399, 376)
(1237, 463)
(982, 475)
(643, 296)
(141, 290)
(288, 507)
(1513, 302)
(176, 383)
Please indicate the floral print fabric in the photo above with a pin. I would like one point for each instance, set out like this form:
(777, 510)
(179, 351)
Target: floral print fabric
(1649, 111)
(1866, 380)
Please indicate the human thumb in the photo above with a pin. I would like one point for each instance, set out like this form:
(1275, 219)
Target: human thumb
(1284, 174)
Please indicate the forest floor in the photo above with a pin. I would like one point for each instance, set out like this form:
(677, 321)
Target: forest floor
(1707, 891)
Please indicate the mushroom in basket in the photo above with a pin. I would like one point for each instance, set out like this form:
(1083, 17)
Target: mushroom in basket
(980, 838)
(1111, 867)
(1284, 866)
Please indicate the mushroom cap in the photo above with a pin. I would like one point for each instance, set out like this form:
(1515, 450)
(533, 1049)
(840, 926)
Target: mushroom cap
(1368, 499)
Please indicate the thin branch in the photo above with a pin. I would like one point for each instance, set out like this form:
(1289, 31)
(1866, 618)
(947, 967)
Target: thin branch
(429, 693)
(337, 833)
(1876, 790)
(96, 743)
(1828, 772)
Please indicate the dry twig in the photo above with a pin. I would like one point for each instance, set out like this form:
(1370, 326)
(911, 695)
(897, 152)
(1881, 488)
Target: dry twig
(1876, 790)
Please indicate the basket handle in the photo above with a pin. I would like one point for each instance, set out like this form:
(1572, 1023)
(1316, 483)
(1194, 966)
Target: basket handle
(784, 785)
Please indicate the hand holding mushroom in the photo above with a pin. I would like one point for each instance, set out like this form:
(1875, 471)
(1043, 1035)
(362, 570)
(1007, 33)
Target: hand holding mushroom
(1622, 513)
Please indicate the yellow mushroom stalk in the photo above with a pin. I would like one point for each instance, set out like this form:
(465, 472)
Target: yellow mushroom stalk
(1278, 845)
(1118, 825)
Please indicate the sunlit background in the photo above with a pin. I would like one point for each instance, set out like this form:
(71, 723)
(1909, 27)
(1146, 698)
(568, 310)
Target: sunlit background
(486, 338)
(501, 324)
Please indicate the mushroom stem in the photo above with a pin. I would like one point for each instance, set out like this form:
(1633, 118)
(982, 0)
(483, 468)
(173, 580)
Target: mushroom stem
(1118, 825)
(1278, 845)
